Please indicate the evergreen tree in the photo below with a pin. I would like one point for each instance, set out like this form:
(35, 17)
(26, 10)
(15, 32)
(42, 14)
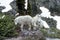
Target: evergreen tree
(20, 4)
(22, 10)
(32, 8)
(29, 9)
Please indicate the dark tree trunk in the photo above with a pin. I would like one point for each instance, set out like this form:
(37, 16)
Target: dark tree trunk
(20, 5)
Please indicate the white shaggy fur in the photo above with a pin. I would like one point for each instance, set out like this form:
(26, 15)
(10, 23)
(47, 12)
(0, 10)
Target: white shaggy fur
(37, 21)
(28, 20)
(23, 20)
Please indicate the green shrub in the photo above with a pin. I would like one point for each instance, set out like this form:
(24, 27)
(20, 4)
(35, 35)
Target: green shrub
(44, 31)
(7, 27)
(56, 33)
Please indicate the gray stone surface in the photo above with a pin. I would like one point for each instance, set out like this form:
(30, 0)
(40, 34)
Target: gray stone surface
(1, 7)
(52, 5)
(14, 8)
(52, 39)
(29, 35)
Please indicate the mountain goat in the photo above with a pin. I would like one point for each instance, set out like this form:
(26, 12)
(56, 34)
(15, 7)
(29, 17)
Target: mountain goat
(37, 21)
(24, 20)
(28, 20)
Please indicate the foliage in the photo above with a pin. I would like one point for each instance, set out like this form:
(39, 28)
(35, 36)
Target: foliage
(33, 6)
(55, 9)
(29, 9)
(44, 31)
(52, 32)
(7, 27)
(50, 21)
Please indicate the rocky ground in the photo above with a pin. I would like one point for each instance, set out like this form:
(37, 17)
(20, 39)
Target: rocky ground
(29, 35)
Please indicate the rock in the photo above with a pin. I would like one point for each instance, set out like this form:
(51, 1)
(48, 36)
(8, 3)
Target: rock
(13, 11)
(29, 35)
(52, 5)
(14, 7)
(1, 7)
(50, 21)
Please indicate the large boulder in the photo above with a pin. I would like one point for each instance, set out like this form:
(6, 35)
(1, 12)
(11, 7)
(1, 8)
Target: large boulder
(29, 35)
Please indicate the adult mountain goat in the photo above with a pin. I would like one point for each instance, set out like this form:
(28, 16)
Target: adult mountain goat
(37, 21)
(28, 20)
(23, 20)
